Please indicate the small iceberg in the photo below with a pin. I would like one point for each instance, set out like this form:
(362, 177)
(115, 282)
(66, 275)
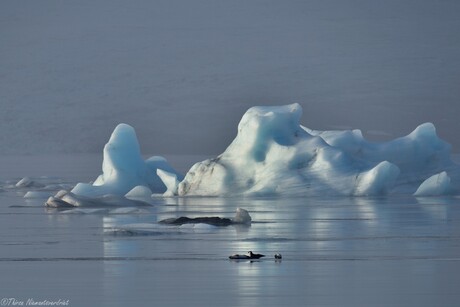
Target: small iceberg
(27, 182)
(66, 199)
(123, 168)
(436, 185)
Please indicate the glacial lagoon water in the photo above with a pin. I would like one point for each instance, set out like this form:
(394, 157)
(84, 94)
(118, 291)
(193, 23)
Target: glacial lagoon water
(388, 251)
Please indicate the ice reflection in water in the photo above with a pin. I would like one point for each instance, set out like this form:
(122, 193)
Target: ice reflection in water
(336, 251)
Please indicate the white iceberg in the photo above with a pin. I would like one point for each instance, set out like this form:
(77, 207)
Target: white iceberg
(273, 154)
(123, 167)
(27, 182)
(66, 199)
(436, 185)
(24, 183)
(242, 217)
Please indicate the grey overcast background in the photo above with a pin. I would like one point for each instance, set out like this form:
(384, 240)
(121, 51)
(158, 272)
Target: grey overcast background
(183, 72)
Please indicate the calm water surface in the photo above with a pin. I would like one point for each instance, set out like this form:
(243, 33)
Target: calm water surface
(397, 251)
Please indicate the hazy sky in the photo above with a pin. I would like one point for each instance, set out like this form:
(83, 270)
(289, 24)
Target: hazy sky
(183, 72)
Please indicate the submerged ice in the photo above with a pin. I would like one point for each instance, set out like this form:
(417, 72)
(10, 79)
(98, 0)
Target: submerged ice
(273, 154)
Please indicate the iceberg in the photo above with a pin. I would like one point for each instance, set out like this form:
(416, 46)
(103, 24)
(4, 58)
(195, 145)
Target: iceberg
(273, 154)
(27, 182)
(436, 185)
(123, 168)
(66, 199)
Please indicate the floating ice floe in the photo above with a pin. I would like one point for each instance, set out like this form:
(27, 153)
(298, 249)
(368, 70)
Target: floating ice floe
(123, 168)
(38, 184)
(27, 182)
(65, 199)
(273, 154)
(436, 185)
(40, 187)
